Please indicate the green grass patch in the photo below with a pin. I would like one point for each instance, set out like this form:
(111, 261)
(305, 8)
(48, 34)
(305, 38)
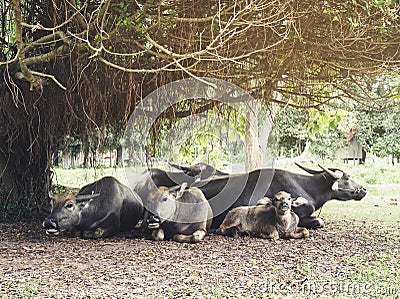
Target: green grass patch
(371, 208)
(28, 290)
(78, 177)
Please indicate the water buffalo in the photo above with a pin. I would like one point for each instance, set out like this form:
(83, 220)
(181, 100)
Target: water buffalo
(100, 209)
(183, 216)
(199, 170)
(142, 184)
(268, 221)
(226, 193)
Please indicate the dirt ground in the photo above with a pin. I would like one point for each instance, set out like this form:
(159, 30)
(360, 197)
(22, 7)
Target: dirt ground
(34, 265)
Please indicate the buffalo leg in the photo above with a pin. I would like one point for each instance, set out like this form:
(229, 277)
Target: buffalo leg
(232, 231)
(230, 226)
(196, 237)
(157, 234)
(269, 234)
(300, 232)
(98, 233)
(311, 222)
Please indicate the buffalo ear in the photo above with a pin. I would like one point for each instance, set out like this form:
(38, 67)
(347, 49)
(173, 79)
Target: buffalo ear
(299, 201)
(266, 201)
(335, 186)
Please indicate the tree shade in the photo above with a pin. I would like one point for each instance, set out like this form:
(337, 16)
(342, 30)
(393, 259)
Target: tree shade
(71, 67)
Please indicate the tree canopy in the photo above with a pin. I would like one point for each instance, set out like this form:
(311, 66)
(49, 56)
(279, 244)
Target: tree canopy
(71, 67)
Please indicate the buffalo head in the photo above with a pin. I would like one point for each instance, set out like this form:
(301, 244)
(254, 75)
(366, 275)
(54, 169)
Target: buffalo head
(282, 202)
(343, 187)
(65, 212)
(161, 202)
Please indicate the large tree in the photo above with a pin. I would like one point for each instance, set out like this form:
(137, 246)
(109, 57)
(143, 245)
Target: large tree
(70, 67)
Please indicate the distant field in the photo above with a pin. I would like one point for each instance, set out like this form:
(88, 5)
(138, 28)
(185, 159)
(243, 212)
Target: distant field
(382, 203)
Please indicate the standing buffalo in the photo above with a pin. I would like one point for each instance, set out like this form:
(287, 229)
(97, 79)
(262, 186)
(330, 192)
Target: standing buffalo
(268, 221)
(183, 216)
(100, 209)
(226, 193)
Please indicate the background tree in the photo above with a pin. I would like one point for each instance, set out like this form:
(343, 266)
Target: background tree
(379, 131)
(69, 67)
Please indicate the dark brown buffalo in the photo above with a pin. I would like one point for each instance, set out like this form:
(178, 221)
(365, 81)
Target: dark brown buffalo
(100, 209)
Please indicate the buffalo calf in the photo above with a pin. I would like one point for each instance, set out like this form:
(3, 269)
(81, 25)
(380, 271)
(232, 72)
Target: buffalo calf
(273, 219)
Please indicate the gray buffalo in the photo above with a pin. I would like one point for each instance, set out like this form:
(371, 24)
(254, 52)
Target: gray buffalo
(100, 209)
(272, 219)
(183, 216)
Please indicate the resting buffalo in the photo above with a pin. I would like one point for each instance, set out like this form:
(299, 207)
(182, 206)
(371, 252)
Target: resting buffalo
(268, 221)
(183, 216)
(199, 170)
(142, 184)
(100, 209)
(226, 193)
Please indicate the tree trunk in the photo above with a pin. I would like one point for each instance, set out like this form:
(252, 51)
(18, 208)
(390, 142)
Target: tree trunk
(119, 156)
(25, 179)
(253, 147)
(27, 140)
(86, 150)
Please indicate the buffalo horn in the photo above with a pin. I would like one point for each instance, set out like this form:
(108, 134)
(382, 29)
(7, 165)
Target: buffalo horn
(177, 166)
(174, 188)
(190, 171)
(311, 171)
(334, 174)
(183, 187)
(85, 197)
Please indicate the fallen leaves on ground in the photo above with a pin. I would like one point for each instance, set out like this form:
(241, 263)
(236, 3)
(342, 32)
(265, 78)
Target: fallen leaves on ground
(34, 265)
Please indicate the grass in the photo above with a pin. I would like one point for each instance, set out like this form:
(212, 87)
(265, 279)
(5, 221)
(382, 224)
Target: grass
(25, 291)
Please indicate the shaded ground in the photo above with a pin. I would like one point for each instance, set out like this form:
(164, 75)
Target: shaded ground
(344, 260)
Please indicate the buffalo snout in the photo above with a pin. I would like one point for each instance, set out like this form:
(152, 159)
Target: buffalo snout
(359, 193)
(284, 206)
(50, 222)
(153, 221)
(51, 226)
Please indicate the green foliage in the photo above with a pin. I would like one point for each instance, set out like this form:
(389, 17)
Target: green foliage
(327, 142)
(379, 131)
(294, 127)
(322, 120)
(289, 132)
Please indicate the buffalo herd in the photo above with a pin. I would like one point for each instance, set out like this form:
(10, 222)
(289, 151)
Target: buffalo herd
(184, 205)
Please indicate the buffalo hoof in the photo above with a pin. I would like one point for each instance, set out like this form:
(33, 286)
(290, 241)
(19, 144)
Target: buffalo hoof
(320, 223)
(99, 233)
(89, 234)
(157, 235)
(198, 236)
